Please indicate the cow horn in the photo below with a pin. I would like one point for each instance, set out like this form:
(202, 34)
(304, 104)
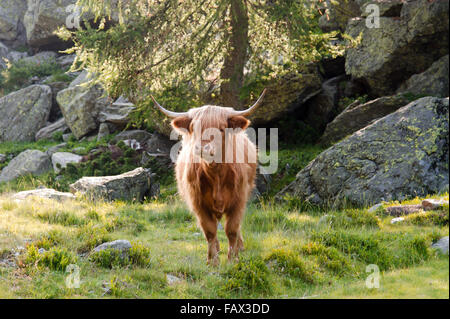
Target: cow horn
(252, 108)
(167, 112)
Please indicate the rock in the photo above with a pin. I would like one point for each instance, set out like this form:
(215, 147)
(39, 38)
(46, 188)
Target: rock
(400, 47)
(66, 137)
(80, 106)
(138, 135)
(41, 57)
(322, 108)
(397, 220)
(42, 19)
(43, 193)
(432, 204)
(433, 81)
(118, 112)
(401, 210)
(155, 190)
(23, 113)
(48, 131)
(442, 245)
(337, 14)
(11, 14)
(66, 61)
(28, 162)
(389, 8)
(263, 181)
(133, 185)
(61, 159)
(404, 154)
(4, 51)
(172, 280)
(356, 117)
(51, 150)
(41, 250)
(133, 144)
(285, 95)
(121, 245)
(103, 131)
(3, 158)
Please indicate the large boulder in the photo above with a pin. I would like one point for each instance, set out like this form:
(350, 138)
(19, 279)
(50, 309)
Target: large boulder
(285, 95)
(28, 162)
(43, 18)
(400, 46)
(133, 185)
(11, 15)
(23, 113)
(433, 81)
(337, 13)
(80, 105)
(404, 154)
(357, 116)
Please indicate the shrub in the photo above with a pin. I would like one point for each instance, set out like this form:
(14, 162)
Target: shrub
(55, 259)
(138, 255)
(428, 218)
(248, 275)
(289, 263)
(92, 236)
(329, 257)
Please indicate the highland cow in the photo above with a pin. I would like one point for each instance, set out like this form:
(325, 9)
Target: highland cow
(215, 170)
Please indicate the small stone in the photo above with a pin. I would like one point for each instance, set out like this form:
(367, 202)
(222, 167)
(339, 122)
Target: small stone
(442, 245)
(61, 159)
(52, 150)
(403, 210)
(43, 193)
(121, 244)
(2, 158)
(172, 280)
(66, 137)
(41, 250)
(397, 220)
(431, 204)
(103, 131)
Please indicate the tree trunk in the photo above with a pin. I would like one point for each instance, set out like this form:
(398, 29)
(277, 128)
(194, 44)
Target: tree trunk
(232, 72)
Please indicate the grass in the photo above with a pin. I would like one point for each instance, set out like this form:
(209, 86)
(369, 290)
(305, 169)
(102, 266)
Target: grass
(289, 253)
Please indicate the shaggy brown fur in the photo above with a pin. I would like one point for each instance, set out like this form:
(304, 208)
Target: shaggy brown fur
(213, 189)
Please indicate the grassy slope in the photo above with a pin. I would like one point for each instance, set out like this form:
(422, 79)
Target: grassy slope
(277, 262)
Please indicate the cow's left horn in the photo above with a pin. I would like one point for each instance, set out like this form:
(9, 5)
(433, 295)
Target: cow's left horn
(167, 112)
(252, 108)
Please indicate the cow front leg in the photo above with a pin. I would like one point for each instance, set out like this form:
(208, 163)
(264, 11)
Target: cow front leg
(235, 242)
(209, 227)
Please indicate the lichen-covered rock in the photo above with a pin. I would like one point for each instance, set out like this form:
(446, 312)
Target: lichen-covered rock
(401, 155)
(133, 185)
(28, 162)
(139, 135)
(42, 19)
(118, 112)
(441, 245)
(80, 105)
(121, 245)
(356, 117)
(11, 14)
(400, 46)
(61, 159)
(433, 81)
(337, 14)
(23, 113)
(286, 94)
(43, 193)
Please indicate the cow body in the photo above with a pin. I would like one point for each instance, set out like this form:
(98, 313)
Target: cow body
(216, 169)
(214, 190)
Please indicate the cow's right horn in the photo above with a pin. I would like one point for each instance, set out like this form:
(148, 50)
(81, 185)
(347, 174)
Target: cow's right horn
(167, 112)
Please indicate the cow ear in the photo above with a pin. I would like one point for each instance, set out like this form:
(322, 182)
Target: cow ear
(182, 123)
(237, 121)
